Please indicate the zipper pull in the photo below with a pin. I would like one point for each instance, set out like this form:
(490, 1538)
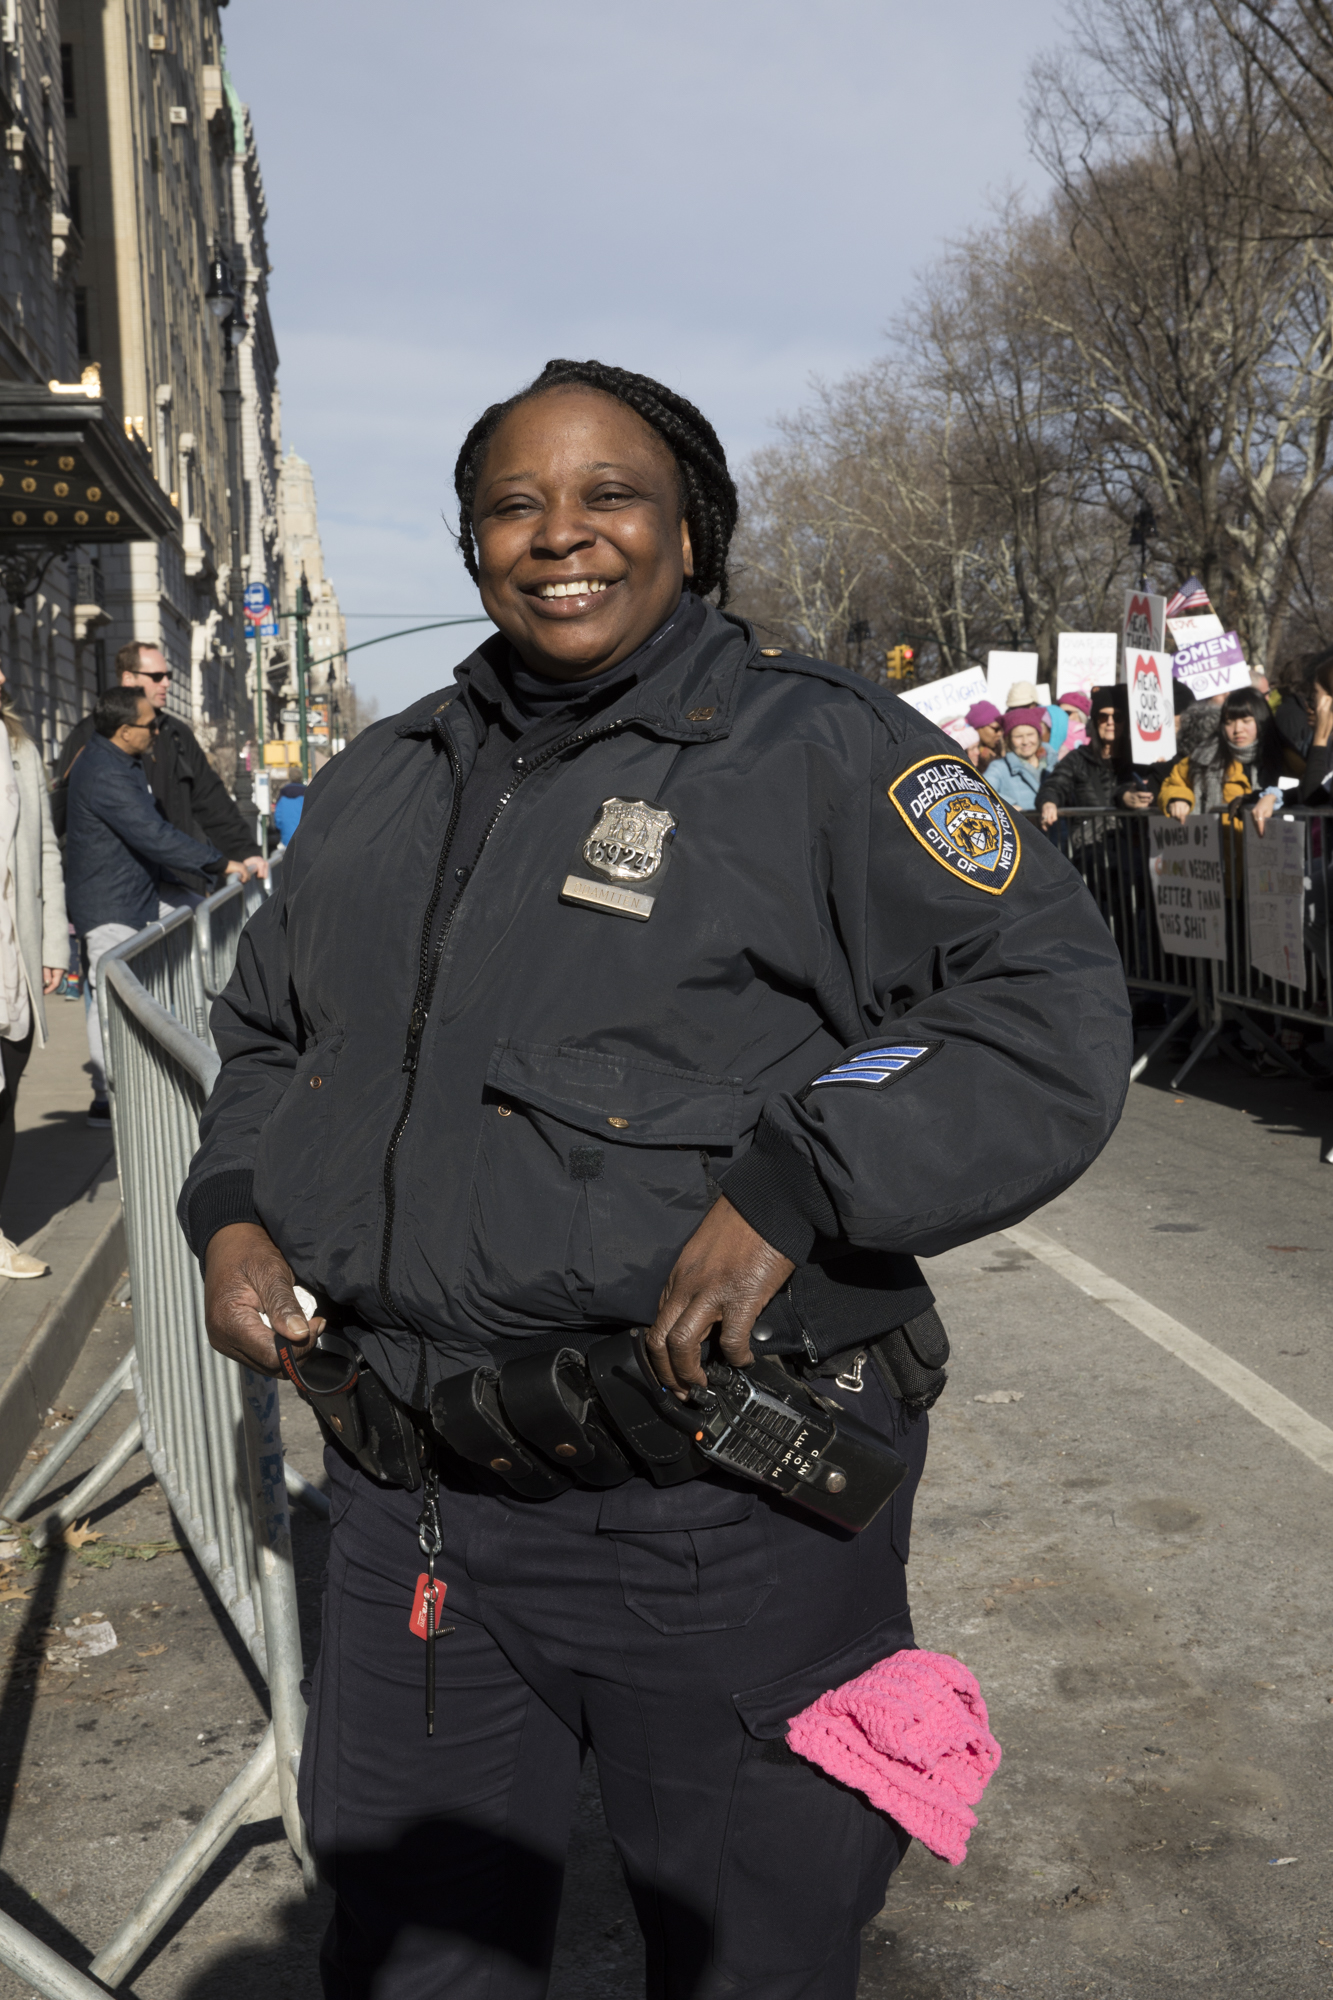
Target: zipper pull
(415, 1029)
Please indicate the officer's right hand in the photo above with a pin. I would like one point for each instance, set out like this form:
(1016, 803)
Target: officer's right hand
(245, 1274)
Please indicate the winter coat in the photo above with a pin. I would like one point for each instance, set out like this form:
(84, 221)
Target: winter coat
(1017, 783)
(1086, 778)
(287, 811)
(183, 782)
(39, 882)
(754, 922)
(118, 842)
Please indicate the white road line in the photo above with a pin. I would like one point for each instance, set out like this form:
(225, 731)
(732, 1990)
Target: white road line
(1243, 1386)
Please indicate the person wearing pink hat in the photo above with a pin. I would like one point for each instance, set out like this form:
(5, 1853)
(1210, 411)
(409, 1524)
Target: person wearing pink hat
(1077, 709)
(984, 717)
(1018, 774)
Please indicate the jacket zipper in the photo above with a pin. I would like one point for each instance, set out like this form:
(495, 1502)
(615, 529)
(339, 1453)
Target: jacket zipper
(430, 962)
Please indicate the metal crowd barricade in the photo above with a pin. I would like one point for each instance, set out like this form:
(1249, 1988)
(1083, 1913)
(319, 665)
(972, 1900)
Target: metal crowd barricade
(1111, 850)
(211, 1429)
(219, 921)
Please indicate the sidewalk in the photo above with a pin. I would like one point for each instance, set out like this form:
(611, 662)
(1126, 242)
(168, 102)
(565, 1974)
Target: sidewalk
(62, 1204)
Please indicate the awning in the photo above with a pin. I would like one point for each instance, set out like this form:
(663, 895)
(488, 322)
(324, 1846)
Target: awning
(69, 474)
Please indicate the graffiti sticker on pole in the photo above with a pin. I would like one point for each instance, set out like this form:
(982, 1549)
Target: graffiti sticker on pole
(1152, 714)
(1186, 869)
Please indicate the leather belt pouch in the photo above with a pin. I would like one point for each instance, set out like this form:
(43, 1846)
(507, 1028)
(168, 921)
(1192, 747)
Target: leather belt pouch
(549, 1400)
(466, 1411)
(354, 1408)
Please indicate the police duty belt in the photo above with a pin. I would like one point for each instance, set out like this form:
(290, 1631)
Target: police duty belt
(549, 1421)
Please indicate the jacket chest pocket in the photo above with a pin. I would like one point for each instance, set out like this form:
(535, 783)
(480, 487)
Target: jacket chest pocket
(591, 1172)
(292, 1161)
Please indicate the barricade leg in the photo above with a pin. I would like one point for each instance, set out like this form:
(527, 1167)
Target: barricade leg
(38, 1481)
(310, 1497)
(87, 1491)
(1159, 1042)
(244, 1800)
(277, 1593)
(45, 1971)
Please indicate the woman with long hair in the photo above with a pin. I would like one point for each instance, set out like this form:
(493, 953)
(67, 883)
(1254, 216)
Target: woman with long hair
(1237, 766)
(34, 934)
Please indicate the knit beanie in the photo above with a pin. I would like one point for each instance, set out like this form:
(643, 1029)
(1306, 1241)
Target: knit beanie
(983, 715)
(1075, 699)
(1024, 718)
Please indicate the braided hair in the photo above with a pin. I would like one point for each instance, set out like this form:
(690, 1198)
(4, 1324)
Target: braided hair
(708, 501)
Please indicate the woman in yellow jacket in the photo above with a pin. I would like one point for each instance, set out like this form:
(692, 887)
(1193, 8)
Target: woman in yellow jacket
(1237, 767)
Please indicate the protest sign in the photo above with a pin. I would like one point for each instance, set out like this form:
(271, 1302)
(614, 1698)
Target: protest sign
(1152, 715)
(1186, 869)
(948, 700)
(1083, 661)
(1044, 693)
(1195, 625)
(1003, 669)
(1145, 622)
(1275, 894)
(1214, 666)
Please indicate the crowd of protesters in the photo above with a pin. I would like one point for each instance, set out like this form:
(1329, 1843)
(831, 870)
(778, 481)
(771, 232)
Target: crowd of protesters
(1233, 752)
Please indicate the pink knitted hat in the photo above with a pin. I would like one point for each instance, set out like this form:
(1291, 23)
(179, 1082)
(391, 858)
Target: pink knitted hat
(912, 1733)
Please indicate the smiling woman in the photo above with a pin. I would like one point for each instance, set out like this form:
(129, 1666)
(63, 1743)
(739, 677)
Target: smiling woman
(664, 992)
(581, 552)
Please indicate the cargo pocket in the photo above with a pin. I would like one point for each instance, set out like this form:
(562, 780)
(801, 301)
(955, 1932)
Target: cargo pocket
(694, 1558)
(292, 1158)
(591, 1172)
(806, 1860)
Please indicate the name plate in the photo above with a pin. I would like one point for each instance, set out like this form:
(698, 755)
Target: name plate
(606, 896)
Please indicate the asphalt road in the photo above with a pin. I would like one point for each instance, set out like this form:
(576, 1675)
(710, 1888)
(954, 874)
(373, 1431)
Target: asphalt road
(1136, 1568)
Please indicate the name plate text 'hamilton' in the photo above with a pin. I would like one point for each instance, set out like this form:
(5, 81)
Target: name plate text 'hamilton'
(607, 896)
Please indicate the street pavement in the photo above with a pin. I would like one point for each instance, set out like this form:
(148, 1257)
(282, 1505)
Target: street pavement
(1136, 1568)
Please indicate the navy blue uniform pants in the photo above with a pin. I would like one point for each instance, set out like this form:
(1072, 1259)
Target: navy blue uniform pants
(673, 1632)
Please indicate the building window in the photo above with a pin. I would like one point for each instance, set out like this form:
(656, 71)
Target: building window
(67, 79)
(81, 321)
(76, 197)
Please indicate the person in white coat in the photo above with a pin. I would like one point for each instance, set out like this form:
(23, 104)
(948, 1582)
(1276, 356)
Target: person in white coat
(34, 935)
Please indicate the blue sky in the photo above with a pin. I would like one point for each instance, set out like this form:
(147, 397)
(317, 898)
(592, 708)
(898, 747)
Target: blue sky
(732, 196)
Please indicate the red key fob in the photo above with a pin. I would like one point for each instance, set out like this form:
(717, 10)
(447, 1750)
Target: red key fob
(417, 1622)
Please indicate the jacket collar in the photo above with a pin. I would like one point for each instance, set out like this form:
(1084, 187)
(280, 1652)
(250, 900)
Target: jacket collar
(690, 700)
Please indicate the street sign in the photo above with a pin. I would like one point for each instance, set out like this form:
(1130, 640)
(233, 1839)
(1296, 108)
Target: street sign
(259, 610)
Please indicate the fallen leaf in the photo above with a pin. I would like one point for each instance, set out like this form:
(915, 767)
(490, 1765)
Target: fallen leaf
(1001, 1396)
(76, 1537)
(956, 1906)
(11, 1594)
(149, 1652)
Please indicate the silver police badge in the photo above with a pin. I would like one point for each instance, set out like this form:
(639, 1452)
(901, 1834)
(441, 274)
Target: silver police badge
(626, 843)
(627, 847)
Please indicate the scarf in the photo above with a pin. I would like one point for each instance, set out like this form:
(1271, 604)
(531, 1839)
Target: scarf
(15, 1009)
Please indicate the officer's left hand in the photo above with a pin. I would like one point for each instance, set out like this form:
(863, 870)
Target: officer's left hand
(726, 1273)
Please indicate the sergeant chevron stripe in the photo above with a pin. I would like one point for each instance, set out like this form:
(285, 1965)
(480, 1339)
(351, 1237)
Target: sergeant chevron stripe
(877, 1067)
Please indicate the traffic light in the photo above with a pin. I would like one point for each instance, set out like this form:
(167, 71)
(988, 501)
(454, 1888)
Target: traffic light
(898, 662)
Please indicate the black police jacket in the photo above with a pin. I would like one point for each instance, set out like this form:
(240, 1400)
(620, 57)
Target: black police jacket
(475, 1103)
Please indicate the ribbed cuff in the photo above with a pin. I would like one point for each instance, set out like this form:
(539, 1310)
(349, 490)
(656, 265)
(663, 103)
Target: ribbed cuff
(780, 1195)
(221, 1199)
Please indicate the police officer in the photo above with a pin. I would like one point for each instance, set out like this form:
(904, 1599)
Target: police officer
(648, 976)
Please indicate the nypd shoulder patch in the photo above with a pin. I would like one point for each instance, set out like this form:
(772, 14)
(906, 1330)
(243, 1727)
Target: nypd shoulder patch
(875, 1069)
(960, 820)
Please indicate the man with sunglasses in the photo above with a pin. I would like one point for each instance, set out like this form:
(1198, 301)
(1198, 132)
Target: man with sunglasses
(120, 848)
(184, 783)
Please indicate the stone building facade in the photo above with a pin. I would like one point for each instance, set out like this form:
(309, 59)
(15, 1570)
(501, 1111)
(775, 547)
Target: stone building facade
(130, 169)
(48, 671)
(301, 555)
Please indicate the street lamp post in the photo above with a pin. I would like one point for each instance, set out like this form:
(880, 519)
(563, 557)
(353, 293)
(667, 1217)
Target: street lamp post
(301, 613)
(225, 302)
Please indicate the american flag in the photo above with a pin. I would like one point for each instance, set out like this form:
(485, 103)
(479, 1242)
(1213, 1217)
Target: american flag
(1190, 598)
